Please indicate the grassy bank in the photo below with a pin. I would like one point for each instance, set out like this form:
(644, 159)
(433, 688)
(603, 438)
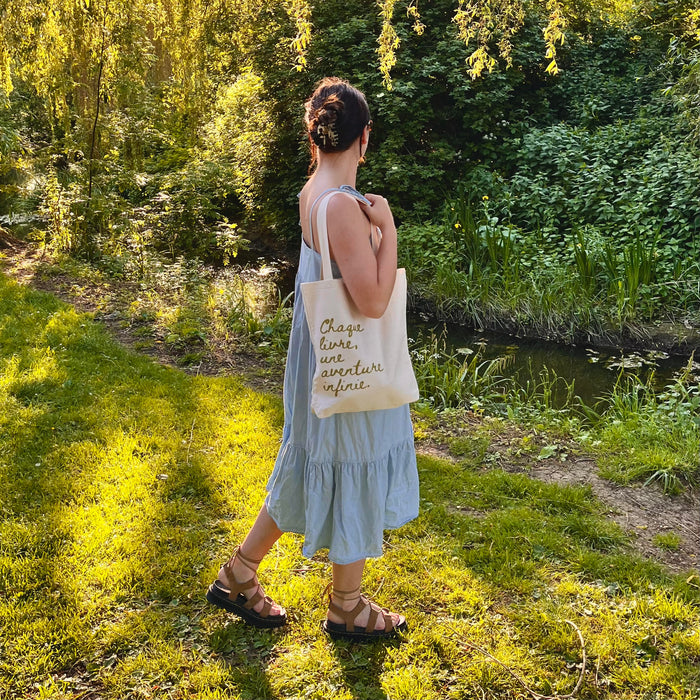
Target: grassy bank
(128, 482)
(554, 301)
(639, 432)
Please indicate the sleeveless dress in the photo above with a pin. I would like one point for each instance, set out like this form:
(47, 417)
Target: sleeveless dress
(342, 480)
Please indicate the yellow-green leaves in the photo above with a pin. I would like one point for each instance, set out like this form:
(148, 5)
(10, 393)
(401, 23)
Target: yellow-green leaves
(300, 12)
(412, 11)
(242, 129)
(553, 34)
(5, 67)
(484, 21)
(388, 41)
(693, 24)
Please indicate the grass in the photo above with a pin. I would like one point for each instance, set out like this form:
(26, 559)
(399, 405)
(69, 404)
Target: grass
(461, 378)
(651, 436)
(565, 295)
(186, 305)
(126, 484)
(668, 540)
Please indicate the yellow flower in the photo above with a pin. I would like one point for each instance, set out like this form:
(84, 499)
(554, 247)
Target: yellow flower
(485, 197)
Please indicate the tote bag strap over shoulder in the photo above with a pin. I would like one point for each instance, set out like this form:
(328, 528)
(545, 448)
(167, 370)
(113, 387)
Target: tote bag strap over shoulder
(324, 250)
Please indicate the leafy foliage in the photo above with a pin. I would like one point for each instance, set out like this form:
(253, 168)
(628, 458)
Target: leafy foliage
(176, 127)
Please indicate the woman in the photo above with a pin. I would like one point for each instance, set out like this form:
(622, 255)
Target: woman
(339, 481)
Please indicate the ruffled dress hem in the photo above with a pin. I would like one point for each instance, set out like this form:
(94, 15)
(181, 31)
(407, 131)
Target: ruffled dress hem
(343, 506)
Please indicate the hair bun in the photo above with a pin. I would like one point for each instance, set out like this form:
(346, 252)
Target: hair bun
(332, 107)
(336, 114)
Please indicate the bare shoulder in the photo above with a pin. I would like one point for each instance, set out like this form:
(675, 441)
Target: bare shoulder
(344, 211)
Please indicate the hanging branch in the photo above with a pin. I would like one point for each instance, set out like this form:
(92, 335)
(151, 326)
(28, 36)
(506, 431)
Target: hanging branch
(484, 21)
(553, 33)
(300, 12)
(97, 101)
(388, 41)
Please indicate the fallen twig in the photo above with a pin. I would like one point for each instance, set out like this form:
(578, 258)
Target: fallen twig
(535, 694)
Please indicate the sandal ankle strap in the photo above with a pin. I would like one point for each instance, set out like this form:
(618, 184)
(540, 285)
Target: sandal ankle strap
(245, 559)
(252, 564)
(349, 616)
(343, 596)
(347, 595)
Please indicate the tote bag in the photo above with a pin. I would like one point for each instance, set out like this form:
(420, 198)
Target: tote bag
(362, 363)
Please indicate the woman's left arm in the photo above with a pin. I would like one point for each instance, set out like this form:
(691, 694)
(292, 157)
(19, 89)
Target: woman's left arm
(369, 278)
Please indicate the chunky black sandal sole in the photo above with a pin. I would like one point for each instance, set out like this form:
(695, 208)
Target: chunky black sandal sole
(218, 596)
(338, 630)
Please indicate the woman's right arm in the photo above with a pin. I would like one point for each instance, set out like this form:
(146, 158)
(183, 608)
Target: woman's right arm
(369, 278)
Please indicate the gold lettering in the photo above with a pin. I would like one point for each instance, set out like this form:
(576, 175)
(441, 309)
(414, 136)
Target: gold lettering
(349, 386)
(328, 359)
(328, 326)
(355, 370)
(326, 344)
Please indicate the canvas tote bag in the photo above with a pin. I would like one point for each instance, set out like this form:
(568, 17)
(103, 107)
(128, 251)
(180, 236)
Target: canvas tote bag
(362, 363)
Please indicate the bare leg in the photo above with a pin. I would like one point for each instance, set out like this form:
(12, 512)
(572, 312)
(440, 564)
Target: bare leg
(256, 545)
(348, 578)
(261, 536)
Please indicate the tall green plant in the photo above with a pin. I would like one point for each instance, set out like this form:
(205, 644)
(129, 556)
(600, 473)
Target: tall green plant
(585, 263)
(639, 261)
(459, 378)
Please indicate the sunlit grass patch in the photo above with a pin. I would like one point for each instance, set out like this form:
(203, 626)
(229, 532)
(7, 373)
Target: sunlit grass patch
(652, 436)
(668, 540)
(129, 483)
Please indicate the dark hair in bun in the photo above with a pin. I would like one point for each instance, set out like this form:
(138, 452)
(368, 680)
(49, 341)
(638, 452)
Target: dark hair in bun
(336, 114)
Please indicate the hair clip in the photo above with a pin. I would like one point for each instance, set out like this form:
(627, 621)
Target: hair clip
(328, 133)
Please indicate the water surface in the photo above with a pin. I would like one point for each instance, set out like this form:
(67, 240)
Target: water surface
(593, 371)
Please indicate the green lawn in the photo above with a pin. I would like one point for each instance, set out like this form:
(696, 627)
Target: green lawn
(125, 484)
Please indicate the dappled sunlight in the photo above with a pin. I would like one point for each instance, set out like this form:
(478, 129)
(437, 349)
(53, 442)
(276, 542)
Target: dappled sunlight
(541, 164)
(131, 483)
(121, 473)
(539, 552)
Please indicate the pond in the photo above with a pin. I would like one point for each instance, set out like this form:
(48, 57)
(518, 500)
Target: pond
(594, 371)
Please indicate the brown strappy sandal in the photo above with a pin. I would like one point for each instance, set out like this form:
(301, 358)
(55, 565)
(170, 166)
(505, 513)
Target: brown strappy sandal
(348, 630)
(234, 601)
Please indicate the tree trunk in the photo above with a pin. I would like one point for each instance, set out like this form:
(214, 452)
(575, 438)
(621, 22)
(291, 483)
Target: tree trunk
(8, 241)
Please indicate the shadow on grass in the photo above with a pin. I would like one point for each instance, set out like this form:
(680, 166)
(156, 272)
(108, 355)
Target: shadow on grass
(114, 507)
(362, 667)
(127, 482)
(246, 653)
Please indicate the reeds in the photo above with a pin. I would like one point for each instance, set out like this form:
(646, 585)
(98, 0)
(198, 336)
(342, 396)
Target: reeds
(460, 378)
(584, 286)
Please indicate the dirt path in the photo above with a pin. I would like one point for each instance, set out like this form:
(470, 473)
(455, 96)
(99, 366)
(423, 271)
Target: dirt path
(642, 511)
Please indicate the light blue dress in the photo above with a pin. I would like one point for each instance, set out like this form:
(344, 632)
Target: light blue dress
(342, 480)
